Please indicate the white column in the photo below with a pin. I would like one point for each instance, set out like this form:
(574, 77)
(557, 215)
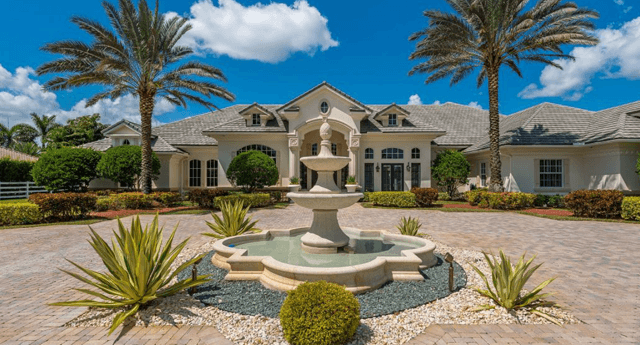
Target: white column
(294, 156)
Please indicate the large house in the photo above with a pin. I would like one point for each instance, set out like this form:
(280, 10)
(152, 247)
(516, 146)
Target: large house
(548, 148)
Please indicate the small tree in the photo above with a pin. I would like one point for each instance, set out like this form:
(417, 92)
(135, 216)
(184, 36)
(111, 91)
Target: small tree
(123, 164)
(252, 170)
(450, 170)
(69, 169)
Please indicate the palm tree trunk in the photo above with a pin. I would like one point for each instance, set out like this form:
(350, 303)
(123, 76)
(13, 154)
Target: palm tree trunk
(494, 132)
(146, 112)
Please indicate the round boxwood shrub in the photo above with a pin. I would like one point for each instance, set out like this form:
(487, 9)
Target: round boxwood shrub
(68, 169)
(123, 164)
(252, 170)
(319, 313)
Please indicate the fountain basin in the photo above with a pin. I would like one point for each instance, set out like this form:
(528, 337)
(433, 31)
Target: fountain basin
(325, 163)
(325, 201)
(389, 257)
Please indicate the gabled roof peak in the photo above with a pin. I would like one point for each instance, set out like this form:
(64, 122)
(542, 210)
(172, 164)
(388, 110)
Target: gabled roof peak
(331, 87)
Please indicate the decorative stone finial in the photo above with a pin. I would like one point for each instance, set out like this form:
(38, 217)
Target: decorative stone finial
(325, 131)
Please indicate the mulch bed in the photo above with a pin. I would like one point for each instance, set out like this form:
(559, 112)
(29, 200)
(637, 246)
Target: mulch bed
(458, 206)
(126, 213)
(549, 212)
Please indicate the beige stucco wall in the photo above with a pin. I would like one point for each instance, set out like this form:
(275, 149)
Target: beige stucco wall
(202, 153)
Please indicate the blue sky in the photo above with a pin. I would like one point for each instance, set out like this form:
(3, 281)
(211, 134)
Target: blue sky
(360, 47)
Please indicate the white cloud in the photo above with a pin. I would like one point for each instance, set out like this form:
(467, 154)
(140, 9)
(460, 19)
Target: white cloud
(267, 33)
(616, 56)
(437, 103)
(475, 105)
(21, 95)
(619, 2)
(415, 100)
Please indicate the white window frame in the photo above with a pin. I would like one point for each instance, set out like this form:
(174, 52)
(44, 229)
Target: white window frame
(193, 176)
(212, 173)
(393, 123)
(483, 174)
(368, 153)
(255, 120)
(546, 164)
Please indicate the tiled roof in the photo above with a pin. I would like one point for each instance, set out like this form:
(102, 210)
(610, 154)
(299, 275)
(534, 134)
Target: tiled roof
(238, 124)
(614, 123)
(158, 144)
(543, 124)
(324, 83)
(188, 132)
(15, 155)
(99, 145)
(136, 127)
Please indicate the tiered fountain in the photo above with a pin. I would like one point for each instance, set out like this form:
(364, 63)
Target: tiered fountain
(360, 260)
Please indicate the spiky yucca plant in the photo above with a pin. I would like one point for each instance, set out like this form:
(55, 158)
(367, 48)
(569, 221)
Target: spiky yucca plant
(234, 221)
(139, 270)
(409, 226)
(508, 282)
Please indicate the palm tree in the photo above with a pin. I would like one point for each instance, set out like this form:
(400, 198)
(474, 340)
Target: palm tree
(44, 124)
(10, 136)
(135, 58)
(29, 148)
(490, 34)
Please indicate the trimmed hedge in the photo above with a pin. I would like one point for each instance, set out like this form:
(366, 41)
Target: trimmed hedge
(205, 198)
(167, 199)
(631, 208)
(595, 203)
(15, 170)
(507, 200)
(251, 200)
(549, 200)
(19, 213)
(64, 205)
(394, 199)
(107, 204)
(474, 197)
(134, 201)
(425, 196)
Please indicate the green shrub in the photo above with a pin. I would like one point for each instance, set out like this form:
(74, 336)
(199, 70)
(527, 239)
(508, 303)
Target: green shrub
(251, 200)
(351, 180)
(123, 164)
(62, 206)
(107, 204)
(595, 203)
(167, 199)
(444, 196)
(366, 197)
(252, 170)
(294, 180)
(134, 201)
(631, 208)
(507, 200)
(19, 213)
(393, 199)
(205, 198)
(450, 170)
(549, 200)
(15, 170)
(68, 169)
(234, 221)
(425, 197)
(138, 270)
(319, 313)
(475, 196)
(409, 227)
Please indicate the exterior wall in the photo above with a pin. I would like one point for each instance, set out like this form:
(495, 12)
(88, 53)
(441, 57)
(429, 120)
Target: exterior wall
(202, 153)
(162, 183)
(612, 166)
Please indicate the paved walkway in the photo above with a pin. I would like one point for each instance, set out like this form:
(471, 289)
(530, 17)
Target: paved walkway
(598, 265)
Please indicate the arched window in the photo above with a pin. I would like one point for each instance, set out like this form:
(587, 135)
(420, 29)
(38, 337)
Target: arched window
(415, 153)
(334, 149)
(368, 153)
(392, 153)
(126, 142)
(212, 173)
(195, 173)
(314, 149)
(262, 148)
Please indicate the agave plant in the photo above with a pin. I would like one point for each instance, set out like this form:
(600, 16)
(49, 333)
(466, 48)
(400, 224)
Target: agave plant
(234, 221)
(139, 270)
(409, 226)
(508, 283)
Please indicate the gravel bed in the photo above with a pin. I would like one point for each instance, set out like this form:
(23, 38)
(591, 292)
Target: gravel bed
(396, 328)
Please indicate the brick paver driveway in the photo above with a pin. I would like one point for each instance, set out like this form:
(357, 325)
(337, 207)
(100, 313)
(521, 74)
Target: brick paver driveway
(598, 265)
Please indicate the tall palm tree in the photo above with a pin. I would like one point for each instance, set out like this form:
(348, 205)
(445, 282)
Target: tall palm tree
(10, 136)
(135, 57)
(44, 124)
(490, 34)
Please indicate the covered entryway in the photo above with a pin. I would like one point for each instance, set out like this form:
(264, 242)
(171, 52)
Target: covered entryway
(311, 147)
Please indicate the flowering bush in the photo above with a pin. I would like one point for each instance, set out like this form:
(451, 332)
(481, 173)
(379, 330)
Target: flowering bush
(475, 196)
(595, 203)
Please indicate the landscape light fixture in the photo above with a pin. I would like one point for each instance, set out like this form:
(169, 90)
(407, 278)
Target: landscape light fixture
(194, 275)
(449, 258)
(408, 167)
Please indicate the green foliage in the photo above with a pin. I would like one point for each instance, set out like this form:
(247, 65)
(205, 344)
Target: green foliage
(366, 197)
(78, 131)
(251, 200)
(475, 196)
(450, 170)
(394, 199)
(18, 133)
(549, 200)
(507, 200)
(167, 199)
(595, 203)
(319, 313)
(631, 208)
(252, 170)
(425, 197)
(106, 204)
(206, 198)
(134, 201)
(444, 196)
(68, 169)
(234, 221)
(507, 283)
(409, 226)
(29, 148)
(294, 180)
(15, 170)
(123, 164)
(139, 270)
(64, 206)
(43, 125)
(351, 180)
(19, 213)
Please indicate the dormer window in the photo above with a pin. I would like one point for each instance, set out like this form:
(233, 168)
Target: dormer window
(393, 120)
(255, 120)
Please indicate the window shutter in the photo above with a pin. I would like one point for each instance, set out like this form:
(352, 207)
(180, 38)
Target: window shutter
(566, 173)
(536, 172)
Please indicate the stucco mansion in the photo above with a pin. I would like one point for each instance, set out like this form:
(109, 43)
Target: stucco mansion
(548, 148)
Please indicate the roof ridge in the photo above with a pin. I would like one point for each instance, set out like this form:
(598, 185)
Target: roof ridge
(535, 113)
(194, 116)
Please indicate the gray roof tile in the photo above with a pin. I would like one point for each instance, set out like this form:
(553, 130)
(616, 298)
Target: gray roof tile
(614, 123)
(158, 144)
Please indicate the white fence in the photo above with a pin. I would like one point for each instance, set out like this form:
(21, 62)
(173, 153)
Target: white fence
(19, 190)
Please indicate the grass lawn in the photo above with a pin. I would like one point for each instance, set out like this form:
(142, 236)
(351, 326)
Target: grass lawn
(73, 222)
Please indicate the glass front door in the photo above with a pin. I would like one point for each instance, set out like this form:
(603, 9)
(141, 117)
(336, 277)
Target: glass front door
(368, 177)
(393, 177)
(415, 175)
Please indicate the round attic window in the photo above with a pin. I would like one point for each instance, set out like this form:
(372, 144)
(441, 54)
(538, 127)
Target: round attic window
(324, 107)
